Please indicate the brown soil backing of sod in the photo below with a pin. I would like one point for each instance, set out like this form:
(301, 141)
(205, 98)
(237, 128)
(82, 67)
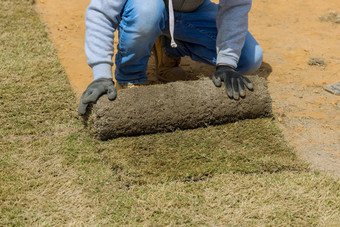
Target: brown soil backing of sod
(177, 105)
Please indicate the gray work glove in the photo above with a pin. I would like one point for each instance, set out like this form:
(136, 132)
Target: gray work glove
(96, 89)
(234, 81)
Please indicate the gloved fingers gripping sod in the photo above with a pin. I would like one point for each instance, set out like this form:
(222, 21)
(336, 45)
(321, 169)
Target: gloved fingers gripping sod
(247, 82)
(236, 90)
(234, 82)
(241, 87)
(228, 86)
(96, 89)
(82, 108)
(111, 92)
(91, 97)
(217, 81)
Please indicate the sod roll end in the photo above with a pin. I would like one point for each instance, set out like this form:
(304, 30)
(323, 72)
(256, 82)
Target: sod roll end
(177, 105)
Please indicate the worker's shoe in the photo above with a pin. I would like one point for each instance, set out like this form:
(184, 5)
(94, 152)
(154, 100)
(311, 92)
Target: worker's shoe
(167, 68)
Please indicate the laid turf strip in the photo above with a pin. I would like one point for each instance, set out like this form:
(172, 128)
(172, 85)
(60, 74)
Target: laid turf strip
(53, 172)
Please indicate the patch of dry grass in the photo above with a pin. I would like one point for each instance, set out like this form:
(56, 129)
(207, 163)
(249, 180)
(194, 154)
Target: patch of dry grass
(233, 199)
(53, 173)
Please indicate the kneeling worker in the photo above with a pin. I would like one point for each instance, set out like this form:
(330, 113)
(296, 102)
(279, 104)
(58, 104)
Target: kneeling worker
(209, 33)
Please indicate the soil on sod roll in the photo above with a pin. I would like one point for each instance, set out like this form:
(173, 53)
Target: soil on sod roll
(177, 105)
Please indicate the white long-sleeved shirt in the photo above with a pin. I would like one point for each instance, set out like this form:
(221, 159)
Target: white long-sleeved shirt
(102, 19)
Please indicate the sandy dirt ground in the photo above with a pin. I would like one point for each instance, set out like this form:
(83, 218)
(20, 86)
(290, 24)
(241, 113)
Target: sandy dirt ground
(290, 32)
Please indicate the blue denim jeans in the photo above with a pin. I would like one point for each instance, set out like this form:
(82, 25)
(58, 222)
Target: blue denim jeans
(143, 21)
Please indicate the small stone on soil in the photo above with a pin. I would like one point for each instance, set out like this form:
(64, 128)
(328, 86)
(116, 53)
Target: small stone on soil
(333, 88)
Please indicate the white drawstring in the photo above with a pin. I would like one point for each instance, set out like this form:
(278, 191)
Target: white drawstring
(171, 24)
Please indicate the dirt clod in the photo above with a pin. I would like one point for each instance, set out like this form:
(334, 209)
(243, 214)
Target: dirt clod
(332, 16)
(317, 62)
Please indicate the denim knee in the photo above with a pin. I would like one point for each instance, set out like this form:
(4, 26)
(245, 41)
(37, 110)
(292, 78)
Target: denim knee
(144, 17)
(256, 64)
(250, 62)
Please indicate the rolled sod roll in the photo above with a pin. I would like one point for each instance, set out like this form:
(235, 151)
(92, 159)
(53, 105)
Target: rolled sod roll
(176, 105)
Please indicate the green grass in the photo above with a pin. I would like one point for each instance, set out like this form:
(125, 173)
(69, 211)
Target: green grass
(247, 147)
(52, 172)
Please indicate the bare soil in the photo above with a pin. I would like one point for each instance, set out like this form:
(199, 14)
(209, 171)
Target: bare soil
(290, 33)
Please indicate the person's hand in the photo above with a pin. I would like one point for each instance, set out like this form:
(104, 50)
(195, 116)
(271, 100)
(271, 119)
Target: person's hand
(96, 89)
(234, 81)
